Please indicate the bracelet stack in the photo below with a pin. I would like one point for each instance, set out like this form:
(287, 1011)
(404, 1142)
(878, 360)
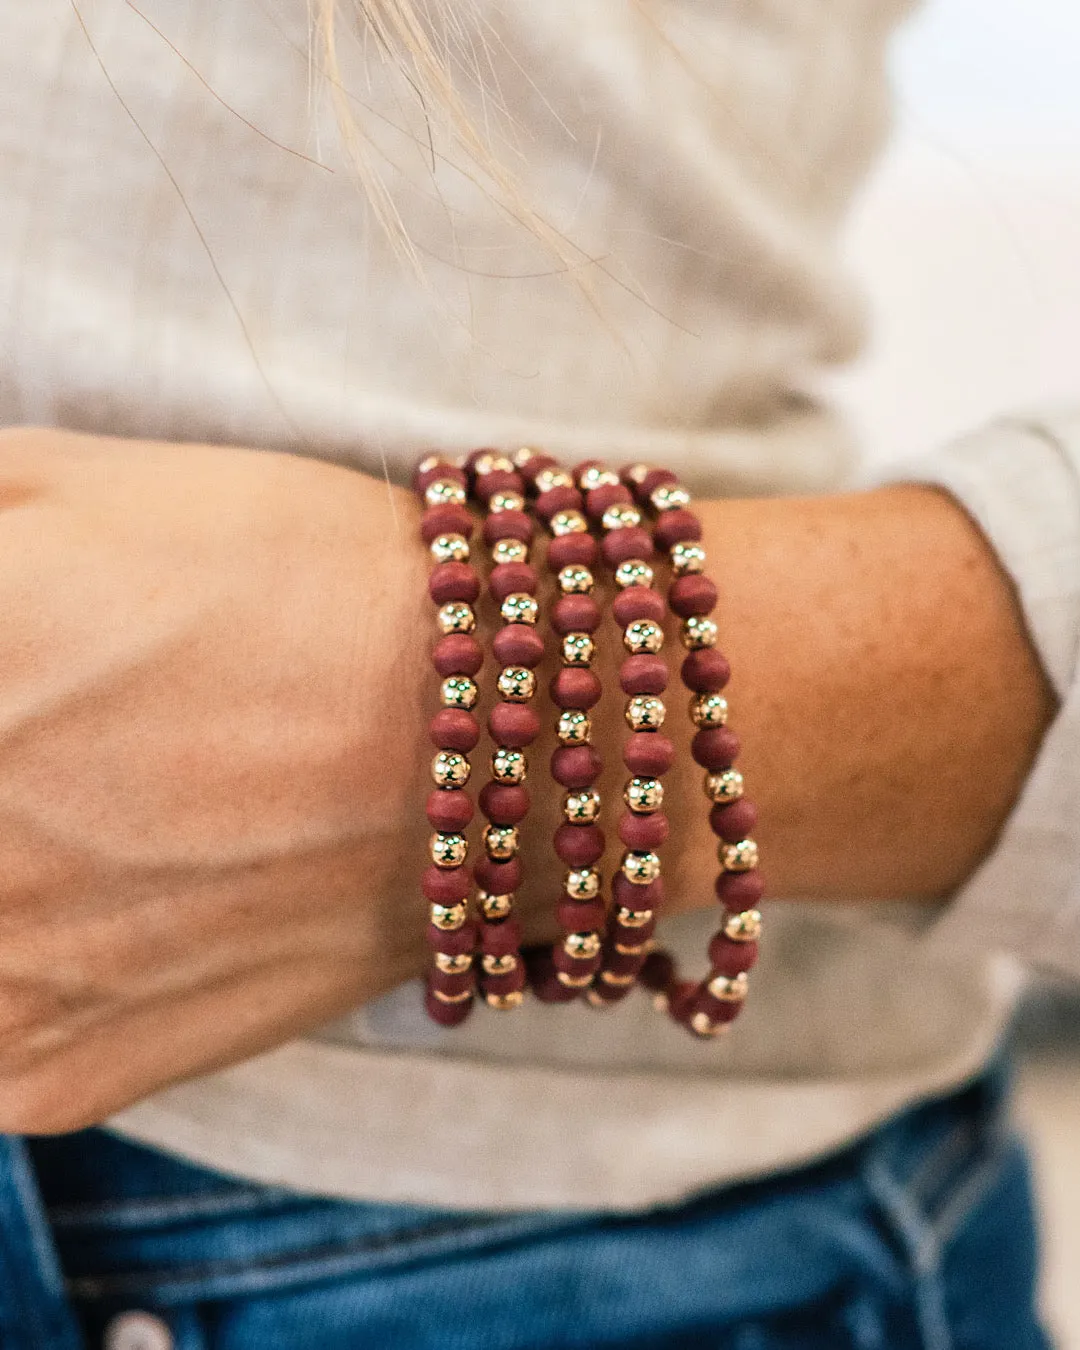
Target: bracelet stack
(596, 519)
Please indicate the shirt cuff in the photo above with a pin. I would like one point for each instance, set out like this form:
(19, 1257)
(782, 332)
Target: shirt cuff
(1019, 480)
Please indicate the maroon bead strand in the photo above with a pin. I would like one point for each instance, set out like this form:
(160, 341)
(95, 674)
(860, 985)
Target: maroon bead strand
(513, 724)
(446, 527)
(707, 1007)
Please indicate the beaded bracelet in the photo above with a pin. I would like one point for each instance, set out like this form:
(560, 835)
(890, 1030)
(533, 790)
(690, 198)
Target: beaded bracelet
(708, 1007)
(446, 527)
(512, 724)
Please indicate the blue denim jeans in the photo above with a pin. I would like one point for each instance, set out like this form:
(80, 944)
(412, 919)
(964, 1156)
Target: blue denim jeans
(921, 1236)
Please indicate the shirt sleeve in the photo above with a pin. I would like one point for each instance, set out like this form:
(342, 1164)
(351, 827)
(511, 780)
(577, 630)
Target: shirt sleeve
(1019, 480)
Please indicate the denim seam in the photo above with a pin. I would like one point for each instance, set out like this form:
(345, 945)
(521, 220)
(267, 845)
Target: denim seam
(167, 1209)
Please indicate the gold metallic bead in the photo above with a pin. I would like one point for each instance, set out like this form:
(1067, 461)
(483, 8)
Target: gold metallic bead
(697, 632)
(660, 1003)
(568, 522)
(505, 501)
(637, 473)
(449, 850)
(730, 989)
(687, 558)
(447, 918)
(724, 787)
(744, 927)
(669, 497)
(581, 808)
(505, 1002)
(520, 607)
(642, 948)
(450, 548)
(582, 946)
(633, 572)
(508, 766)
(444, 492)
(577, 649)
(643, 636)
(574, 981)
(517, 684)
(495, 907)
(443, 997)
(499, 965)
(645, 712)
(620, 516)
(458, 691)
(643, 795)
(617, 981)
(575, 580)
(596, 476)
(524, 455)
(702, 1025)
(453, 965)
(492, 463)
(456, 617)
(450, 770)
(582, 883)
(501, 841)
(708, 710)
(597, 1000)
(548, 479)
(509, 551)
(740, 857)
(633, 918)
(640, 868)
(573, 727)
(429, 462)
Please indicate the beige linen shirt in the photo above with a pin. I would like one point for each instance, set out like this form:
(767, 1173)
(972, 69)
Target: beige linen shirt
(168, 271)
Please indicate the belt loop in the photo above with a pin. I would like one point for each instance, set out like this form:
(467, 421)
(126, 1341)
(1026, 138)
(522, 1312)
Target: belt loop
(34, 1308)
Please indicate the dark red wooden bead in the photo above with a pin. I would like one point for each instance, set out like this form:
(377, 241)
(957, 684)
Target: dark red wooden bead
(658, 972)
(445, 469)
(575, 688)
(508, 525)
(568, 549)
(676, 527)
(705, 671)
(643, 832)
(631, 937)
(445, 520)
(731, 958)
(580, 916)
(716, 1009)
(453, 581)
(509, 578)
(648, 753)
(576, 766)
(576, 614)
(638, 602)
(599, 499)
(447, 1014)
(682, 997)
(518, 645)
(579, 845)
(513, 724)
(500, 939)
(573, 965)
(631, 542)
(474, 455)
(451, 984)
(449, 810)
(499, 480)
(733, 822)
(454, 729)
(498, 878)
(510, 983)
(504, 803)
(557, 499)
(530, 469)
(715, 748)
(624, 892)
(622, 963)
(656, 478)
(445, 885)
(740, 890)
(643, 674)
(610, 993)
(460, 942)
(457, 654)
(543, 979)
(693, 594)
